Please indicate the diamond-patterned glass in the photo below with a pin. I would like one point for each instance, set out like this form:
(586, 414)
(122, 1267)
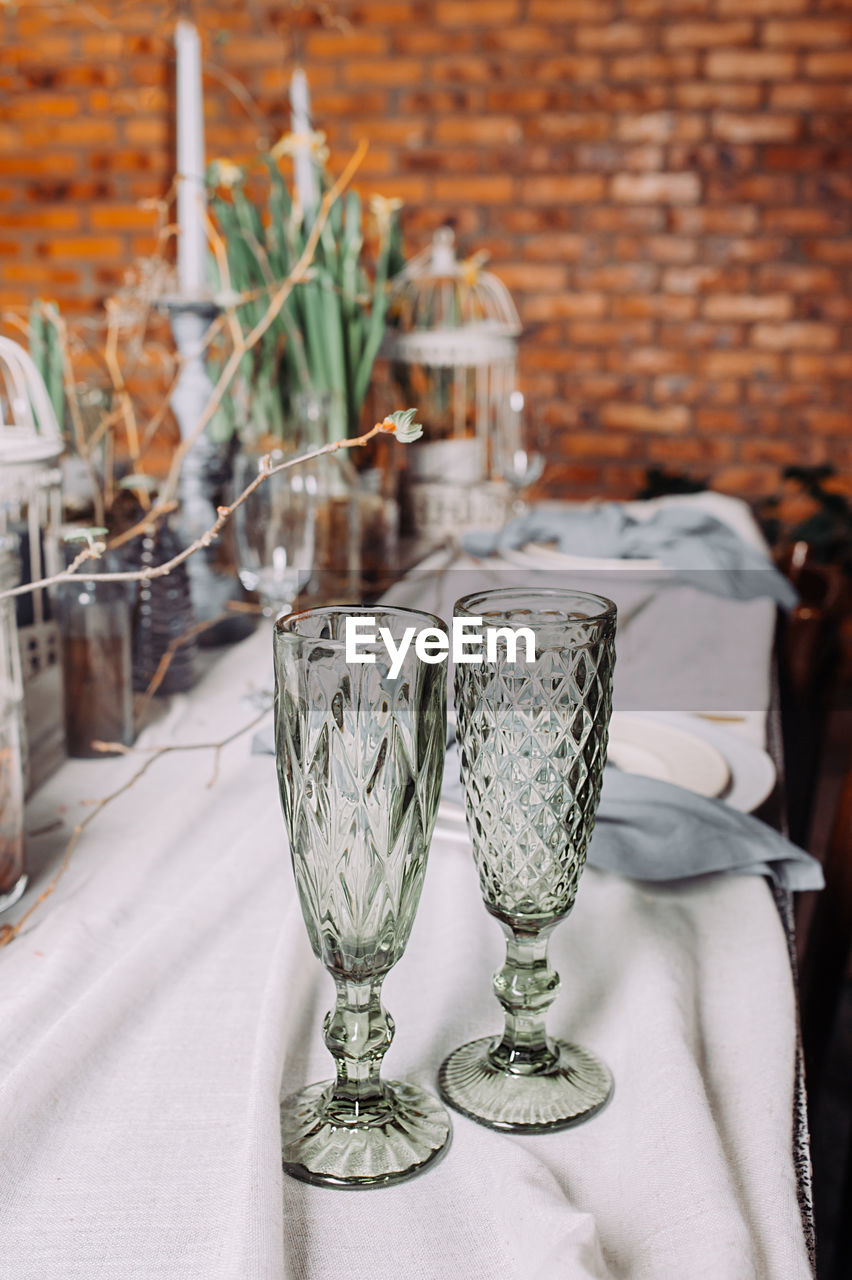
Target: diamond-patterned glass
(532, 739)
(360, 758)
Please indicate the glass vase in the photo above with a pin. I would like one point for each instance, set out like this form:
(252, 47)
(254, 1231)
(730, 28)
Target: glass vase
(337, 551)
(274, 527)
(97, 666)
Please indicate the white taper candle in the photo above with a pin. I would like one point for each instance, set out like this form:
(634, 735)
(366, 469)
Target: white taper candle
(300, 124)
(192, 240)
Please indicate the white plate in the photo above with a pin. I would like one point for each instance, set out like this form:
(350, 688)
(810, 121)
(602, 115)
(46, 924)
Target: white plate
(753, 772)
(543, 555)
(671, 753)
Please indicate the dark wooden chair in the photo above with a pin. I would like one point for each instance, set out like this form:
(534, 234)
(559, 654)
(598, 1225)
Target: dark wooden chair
(808, 649)
(809, 656)
(829, 943)
(823, 971)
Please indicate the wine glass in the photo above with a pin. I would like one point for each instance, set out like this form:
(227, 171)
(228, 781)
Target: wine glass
(274, 530)
(360, 761)
(519, 466)
(532, 738)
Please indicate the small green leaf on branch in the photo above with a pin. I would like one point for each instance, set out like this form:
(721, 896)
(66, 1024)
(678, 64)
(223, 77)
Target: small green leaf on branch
(403, 425)
(91, 536)
(84, 535)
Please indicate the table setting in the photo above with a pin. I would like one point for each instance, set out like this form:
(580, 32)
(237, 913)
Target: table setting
(166, 1000)
(402, 964)
(395, 865)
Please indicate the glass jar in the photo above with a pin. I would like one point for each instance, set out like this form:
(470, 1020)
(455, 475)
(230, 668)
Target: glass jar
(95, 627)
(13, 879)
(338, 514)
(379, 528)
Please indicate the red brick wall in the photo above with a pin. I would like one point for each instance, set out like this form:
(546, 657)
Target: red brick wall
(664, 185)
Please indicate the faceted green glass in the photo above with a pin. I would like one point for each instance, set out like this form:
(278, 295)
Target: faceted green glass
(360, 758)
(532, 740)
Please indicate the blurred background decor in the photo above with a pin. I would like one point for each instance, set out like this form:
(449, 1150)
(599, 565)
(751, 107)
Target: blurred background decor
(662, 187)
(12, 736)
(325, 339)
(305, 382)
(452, 345)
(31, 514)
(97, 664)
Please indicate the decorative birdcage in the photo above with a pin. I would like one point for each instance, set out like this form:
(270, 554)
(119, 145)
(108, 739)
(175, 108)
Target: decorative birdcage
(31, 508)
(452, 345)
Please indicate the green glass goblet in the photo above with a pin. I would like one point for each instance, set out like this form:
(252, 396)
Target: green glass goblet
(532, 739)
(360, 757)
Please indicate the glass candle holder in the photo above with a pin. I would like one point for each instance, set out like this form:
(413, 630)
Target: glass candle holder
(97, 666)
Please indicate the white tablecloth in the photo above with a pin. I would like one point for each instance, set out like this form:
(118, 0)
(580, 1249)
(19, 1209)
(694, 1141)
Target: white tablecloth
(159, 997)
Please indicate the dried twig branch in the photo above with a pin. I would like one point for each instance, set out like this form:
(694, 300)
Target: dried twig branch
(127, 320)
(241, 342)
(222, 517)
(145, 525)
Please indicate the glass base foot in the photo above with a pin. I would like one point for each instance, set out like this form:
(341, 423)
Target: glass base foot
(578, 1087)
(14, 895)
(395, 1139)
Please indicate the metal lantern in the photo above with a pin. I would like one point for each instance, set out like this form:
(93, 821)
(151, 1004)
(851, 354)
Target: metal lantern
(453, 348)
(12, 737)
(31, 507)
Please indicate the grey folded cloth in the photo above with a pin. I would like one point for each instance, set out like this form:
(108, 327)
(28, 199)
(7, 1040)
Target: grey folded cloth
(696, 546)
(651, 830)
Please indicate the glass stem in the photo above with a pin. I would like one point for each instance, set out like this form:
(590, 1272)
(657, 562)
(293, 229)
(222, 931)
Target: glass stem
(526, 987)
(358, 1032)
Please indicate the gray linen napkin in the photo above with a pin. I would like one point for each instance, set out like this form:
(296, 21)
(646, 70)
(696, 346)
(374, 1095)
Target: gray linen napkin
(652, 830)
(696, 546)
